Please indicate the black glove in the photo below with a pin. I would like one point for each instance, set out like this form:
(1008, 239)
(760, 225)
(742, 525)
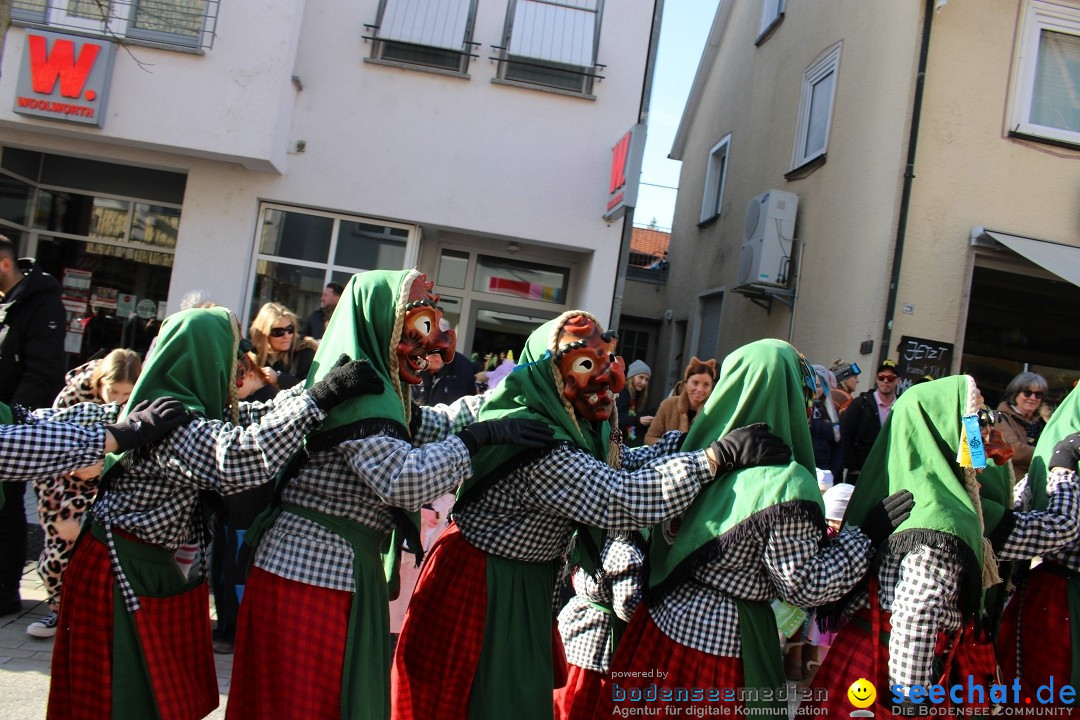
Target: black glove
(508, 431)
(347, 379)
(148, 422)
(887, 516)
(1066, 453)
(750, 446)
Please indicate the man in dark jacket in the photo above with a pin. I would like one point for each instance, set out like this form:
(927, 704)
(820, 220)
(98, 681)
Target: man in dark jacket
(32, 365)
(315, 325)
(455, 379)
(862, 421)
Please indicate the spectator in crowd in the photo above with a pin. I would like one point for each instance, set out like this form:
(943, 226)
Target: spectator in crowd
(455, 380)
(32, 327)
(64, 499)
(825, 429)
(316, 322)
(285, 355)
(631, 404)
(847, 378)
(678, 411)
(863, 419)
(1022, 409)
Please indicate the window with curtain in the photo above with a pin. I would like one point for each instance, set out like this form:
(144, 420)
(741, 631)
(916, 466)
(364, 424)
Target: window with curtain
(431, 33)
(552, 43)
(1046, 93)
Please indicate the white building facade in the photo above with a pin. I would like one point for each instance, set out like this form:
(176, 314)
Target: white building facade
(258, 151)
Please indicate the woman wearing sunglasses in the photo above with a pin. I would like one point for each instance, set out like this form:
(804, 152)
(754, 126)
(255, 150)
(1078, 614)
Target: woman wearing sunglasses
(1022, 414)
(280, 347)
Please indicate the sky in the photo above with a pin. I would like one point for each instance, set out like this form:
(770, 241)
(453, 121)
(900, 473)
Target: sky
(683, 31)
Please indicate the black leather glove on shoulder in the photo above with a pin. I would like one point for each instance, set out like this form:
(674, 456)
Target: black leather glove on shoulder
(347, 379)
(887, 516)
(1066, 453)
(507, 431)
(750, 446)
(148, 422)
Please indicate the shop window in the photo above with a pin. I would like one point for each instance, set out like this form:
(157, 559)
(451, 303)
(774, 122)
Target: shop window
(1047, 84)
(520, 279)
(300, 251)
(180, 23)
(430, 33)
(816, 107)
(552, 43)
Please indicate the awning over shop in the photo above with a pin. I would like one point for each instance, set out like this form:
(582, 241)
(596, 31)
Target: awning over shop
(1062, 260)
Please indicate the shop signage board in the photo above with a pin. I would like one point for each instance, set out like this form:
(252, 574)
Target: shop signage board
(64, 77)
(919, 357)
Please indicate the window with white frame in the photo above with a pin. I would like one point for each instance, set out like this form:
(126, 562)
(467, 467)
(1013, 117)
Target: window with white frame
(178, 23)
(715, 175)
(1046, 93)
(772, 12)
(552, 43)
(430, 33)
(816, 107)
(298, 251)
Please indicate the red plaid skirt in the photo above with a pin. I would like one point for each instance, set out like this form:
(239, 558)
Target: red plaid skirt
(578, 698)
(644, 648)
(173, 636)
(442, 635)
(1045, 633)
(850, 657)
(290, 649)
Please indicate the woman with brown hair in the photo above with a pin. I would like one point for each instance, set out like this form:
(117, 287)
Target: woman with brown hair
(678, 411)
(279, 347)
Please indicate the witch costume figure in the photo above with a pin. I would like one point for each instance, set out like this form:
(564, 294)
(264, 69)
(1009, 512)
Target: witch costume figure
(134, 632)
(479, 639)
(925, 592)
(313, 635)
(755, 534)
(1048, 598)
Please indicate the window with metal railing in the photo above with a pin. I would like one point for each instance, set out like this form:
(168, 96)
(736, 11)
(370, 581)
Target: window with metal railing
(551, 43)
(428, 33)
(188, 24)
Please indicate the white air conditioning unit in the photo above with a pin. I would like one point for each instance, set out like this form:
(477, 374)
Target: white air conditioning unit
(765, 258)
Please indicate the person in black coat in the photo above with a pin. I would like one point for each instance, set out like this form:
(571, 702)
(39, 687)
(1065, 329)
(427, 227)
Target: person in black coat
(455, 380)
(861, 422)
(32, 365)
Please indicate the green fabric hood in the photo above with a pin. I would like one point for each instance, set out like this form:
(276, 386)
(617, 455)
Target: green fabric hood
(6, 417)
(1064, 422)
(193, 361)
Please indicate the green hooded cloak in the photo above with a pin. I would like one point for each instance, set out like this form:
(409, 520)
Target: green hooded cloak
(917, 450)
(759, 382)
(194, 361)
(1064, 422)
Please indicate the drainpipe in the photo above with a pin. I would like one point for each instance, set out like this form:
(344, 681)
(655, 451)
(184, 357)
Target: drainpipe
(628, 217)
(909, 176)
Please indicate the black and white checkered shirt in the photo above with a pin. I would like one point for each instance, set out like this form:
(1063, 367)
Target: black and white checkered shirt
(585, 629)
(530, 514)
(787, 561)
(52, 442)
(360, 480)
(1056, 522)
(157, 498)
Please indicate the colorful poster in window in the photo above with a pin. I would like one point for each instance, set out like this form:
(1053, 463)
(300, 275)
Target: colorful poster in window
(125, 305)
(103, 297)
(524, 289)
(73, 338)
(75, 290)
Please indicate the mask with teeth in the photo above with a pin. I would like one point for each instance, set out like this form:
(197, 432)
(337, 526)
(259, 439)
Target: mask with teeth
(426, 338)
(592, 375)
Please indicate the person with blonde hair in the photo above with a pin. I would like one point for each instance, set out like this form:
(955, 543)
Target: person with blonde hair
(279, 347)
(62, 500)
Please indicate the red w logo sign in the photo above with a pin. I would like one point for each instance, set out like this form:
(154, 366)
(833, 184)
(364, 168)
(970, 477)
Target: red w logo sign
(46, 67)
(618, 162)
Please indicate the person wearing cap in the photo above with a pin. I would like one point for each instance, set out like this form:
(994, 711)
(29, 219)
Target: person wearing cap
(631, 404)
(847, 379)
(861, 423)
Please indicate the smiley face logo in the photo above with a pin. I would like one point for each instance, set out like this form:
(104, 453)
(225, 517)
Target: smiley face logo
(862, 693)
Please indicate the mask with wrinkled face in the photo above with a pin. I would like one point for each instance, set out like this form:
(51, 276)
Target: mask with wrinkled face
(427, 342)
(592, 375)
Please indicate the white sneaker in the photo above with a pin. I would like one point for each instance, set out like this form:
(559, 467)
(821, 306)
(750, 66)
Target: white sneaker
(45, 627)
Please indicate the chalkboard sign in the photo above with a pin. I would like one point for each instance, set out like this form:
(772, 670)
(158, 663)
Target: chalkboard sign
(919, 357)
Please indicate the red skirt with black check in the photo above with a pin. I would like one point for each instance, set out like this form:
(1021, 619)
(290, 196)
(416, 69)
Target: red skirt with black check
(290, 650)
(643, 648)
(173, 636)
(1045, 633)
(579, 697)
(851, 657)
(440, 642)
